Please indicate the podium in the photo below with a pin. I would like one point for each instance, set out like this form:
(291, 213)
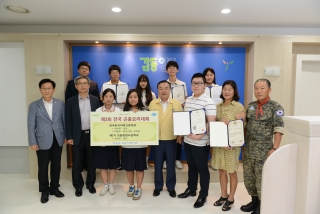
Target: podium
(291, 175)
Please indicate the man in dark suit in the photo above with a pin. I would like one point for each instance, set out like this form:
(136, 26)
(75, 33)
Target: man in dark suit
(83, 70)
(46, 136)
(78, 110)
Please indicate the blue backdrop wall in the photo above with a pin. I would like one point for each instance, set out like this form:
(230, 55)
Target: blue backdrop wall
(134, 60)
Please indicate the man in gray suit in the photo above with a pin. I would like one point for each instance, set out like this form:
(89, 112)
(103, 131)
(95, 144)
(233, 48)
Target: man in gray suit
(46, 136)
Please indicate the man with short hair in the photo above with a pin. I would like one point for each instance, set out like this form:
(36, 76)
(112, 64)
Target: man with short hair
(197, 147)
(84, 69)
(172, 68)
(78, 110)
(264, 130)
(166, 150)
(46, 136)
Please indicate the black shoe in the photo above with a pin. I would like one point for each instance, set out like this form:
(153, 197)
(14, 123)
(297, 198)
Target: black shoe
(200, 202)
(187, 193)
(220, 201)
(251, 206)
(119, 168)
(227, 205)
(44, 197)
(57, 193)
(91, 189)
(78, 192)
(172, 193)
(256, 210)
(156, 192)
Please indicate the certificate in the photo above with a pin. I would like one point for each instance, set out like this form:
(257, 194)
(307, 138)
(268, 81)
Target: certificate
(178, 93)
(121, 91)
(222, 135)
(214, 92)
(193, 122)
(124, 128)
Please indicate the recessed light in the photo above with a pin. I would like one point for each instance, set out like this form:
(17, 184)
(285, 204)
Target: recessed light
(158, 42)
(190, 43)
(17, 9)
(96, 41)
(128, 42)
(116, 9)
(225, 11)
(220, 43)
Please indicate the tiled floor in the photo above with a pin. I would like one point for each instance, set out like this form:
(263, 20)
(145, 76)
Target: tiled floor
(19, 194)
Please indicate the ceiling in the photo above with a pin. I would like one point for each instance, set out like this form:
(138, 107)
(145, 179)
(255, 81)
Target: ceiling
(168, 13)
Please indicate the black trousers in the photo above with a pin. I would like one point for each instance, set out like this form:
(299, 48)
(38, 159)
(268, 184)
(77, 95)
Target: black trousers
(179, 151)
(52, 156)
(197, 159)
(78, 152)
(165, 151)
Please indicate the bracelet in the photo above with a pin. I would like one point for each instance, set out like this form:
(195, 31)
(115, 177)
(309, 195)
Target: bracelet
(274, 149)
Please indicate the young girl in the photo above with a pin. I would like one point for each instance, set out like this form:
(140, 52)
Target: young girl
(107, 157)
(144, 88)
(227, 159)
(133, 157)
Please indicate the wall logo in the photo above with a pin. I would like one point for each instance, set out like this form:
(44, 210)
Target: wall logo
(153, 63)
(227, 64)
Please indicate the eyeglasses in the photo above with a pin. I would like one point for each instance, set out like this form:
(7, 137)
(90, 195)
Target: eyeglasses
(197, 83)
(82, 83)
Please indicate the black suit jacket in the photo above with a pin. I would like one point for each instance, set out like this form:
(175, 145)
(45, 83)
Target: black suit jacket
(73, 118)
(72, 91)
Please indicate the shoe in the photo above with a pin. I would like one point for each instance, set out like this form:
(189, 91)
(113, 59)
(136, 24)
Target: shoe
(78, 192)
(227, 205)
(200, 202)
(187, 193)
(119, 168)
(130, 191)
(44, 197)
(252, 205)
(172, 193)
(220, 201)
(104, 190)
(112, 191)
(156, 192)
(137, 194)
(91, 189)
(256, 210)
(179, 165)
(57, 193)
(164, 165)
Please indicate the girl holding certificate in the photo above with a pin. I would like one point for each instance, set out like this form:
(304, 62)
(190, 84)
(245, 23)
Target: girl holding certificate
(107, 157)
(227, 159)
(144, 88)
(133, 157)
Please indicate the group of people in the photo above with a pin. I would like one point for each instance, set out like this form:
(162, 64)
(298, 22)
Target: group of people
(51, 124)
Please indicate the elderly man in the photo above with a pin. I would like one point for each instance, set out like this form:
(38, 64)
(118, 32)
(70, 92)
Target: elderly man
(166, 150)
(264, 131)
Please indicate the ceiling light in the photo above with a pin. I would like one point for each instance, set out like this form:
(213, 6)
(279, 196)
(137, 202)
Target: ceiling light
(17, 9)
(225, 11)
(158, 42)
(116, 9)
(220, 43)
(96, 41)
(190, 43)
(128, 42)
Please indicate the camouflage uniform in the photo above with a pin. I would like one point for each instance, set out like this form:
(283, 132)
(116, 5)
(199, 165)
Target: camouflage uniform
(259, 141)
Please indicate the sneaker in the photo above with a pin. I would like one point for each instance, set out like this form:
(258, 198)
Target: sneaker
(164, 165)
(179, 164)
(112, 191)
(130, 191)
(104, 190)
(137, 194)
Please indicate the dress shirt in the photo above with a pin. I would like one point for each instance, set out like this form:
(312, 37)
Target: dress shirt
(48, 106)
(85, 109)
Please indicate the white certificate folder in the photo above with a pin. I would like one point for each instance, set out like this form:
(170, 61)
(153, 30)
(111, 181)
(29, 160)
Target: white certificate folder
(222, 135)
(189, 122)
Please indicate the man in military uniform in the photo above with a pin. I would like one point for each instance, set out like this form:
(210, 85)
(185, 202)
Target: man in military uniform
(264, 130)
